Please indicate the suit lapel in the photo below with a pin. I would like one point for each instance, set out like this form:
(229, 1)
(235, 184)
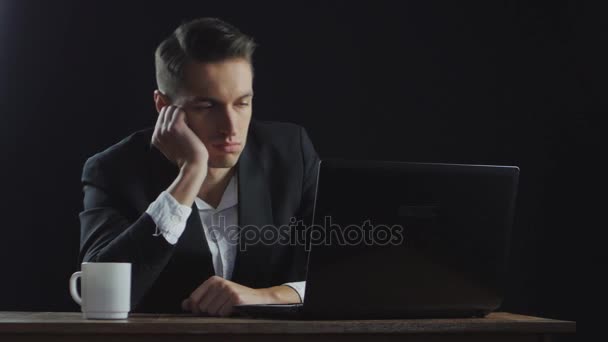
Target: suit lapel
(255, 211)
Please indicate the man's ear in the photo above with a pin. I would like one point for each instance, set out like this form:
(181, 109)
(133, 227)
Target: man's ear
(160, 100)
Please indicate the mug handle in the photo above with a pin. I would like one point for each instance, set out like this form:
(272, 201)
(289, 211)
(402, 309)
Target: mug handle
(73, 290)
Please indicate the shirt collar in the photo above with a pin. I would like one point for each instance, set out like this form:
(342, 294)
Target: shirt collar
(230, 197)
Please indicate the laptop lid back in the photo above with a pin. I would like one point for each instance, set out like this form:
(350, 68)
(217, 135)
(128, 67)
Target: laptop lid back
(395, 239)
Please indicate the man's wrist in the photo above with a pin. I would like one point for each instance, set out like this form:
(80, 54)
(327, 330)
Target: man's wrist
(188, 183)
(282, 294)
(195, 169)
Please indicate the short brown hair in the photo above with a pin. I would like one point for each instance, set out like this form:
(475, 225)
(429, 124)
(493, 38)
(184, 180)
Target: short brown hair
(199, 40)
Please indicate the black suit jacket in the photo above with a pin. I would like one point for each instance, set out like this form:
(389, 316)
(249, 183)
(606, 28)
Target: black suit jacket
(277, 173)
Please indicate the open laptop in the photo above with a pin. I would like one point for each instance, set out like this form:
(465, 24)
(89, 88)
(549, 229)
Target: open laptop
(449, 262)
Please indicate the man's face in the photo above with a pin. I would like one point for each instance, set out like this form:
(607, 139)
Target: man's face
(217, 98)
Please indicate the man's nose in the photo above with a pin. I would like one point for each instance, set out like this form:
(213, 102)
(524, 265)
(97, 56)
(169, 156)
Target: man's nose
(227, 123)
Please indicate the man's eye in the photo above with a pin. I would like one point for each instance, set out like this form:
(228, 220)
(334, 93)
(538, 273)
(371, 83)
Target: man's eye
(203, 106)
(243, 104)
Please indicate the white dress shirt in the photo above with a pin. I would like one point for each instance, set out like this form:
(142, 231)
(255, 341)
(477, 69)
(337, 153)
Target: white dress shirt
(171, 216)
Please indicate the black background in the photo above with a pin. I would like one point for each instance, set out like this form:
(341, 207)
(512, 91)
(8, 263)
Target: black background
(513, 83)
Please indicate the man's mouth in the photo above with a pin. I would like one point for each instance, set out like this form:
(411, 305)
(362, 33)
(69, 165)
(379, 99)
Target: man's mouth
(227, 147)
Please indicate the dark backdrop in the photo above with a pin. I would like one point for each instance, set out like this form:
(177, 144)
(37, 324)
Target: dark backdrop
(487, 82)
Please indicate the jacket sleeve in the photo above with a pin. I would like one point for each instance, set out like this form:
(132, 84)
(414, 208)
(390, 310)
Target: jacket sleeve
(107, 235)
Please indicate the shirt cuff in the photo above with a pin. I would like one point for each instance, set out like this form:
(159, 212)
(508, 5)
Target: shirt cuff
(169, 215)
(299, 287)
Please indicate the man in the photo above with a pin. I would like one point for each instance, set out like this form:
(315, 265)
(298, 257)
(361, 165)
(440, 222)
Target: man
(168, 199)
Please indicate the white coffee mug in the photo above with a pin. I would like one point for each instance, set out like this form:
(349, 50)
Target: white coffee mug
(106, 290)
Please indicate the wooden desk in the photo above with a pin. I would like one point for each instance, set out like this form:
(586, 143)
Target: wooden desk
(60, 326)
